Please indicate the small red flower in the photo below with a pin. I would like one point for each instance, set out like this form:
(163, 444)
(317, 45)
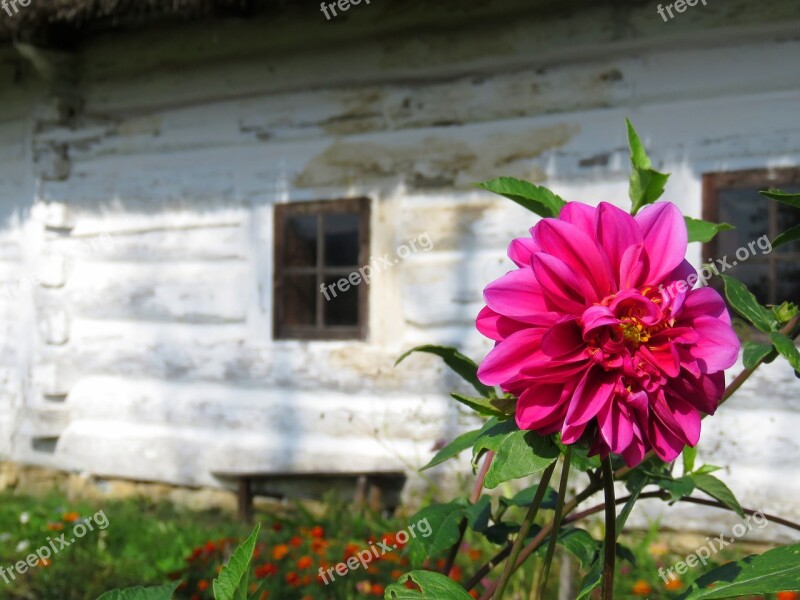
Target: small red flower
(317, 532)
(304, 562)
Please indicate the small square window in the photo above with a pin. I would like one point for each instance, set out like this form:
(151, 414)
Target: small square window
(733, 198)
(317, 245)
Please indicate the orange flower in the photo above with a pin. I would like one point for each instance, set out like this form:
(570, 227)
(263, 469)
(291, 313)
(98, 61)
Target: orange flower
(70, 517)
(292, 578)
(55, 526)
(280, 551)
(475, 554)
(396, 574)
(318, 545)
(202, 585)
(674, 585)
(45, 562)
(304, 562)
(377, 590)
(788, 596)
(266, 570)
(474, 593)
(641, 588)
(210, 546)
(296, 541)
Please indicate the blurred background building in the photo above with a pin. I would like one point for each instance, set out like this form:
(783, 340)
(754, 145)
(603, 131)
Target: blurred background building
(178, 179)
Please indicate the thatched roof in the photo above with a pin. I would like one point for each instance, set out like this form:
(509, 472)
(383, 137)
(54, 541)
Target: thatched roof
(41, 17)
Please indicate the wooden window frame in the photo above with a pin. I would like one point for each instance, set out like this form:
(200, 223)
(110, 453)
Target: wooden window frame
(767, 177)
(319, 331)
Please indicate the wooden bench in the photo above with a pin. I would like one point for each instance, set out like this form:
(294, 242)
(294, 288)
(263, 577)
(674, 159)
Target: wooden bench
(380, 490)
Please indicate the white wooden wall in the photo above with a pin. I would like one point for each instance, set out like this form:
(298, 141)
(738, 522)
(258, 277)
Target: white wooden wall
(150, 356)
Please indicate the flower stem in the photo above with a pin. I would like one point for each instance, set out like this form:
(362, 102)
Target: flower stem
(523, 530)
(477, 488)
(551, 546)
(610, 546)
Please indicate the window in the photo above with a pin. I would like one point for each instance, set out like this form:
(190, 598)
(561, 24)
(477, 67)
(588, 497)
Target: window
(733, 198)
(317, 244)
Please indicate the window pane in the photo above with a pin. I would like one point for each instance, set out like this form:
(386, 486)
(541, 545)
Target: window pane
(300, 299)
(788, 281)
(747, 211)
(341, 310)
(788, 217)
(300, 247)
(341, 239)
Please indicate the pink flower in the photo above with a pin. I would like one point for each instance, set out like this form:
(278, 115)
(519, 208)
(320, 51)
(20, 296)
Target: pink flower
(599, 336)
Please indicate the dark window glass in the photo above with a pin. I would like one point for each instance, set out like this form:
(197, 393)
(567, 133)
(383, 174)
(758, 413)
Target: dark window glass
(773, 275)
(317, 244)
(301, 241)
(341, 239)
(342, 308)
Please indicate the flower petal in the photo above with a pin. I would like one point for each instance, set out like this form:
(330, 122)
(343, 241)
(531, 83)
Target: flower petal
(665, 239)
(510, 356)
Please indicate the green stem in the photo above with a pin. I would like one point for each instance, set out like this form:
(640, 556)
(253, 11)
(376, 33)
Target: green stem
(610, 546)
(524, 530)
(551, 546)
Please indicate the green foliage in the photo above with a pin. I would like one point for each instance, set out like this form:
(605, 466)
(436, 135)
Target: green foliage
(536, 199)
(780, 196)
(774, 571)
(785, 312)
(646, 184)
(234, 577)
(744, 302)
(717, 489)
(754, 353)
(517, 453)
(704, 231)
(464, 366)
(790, 235)
(445, 521)
(163, 592)
(454, 448)
(787, 349)
(488, 407)
(432, 586)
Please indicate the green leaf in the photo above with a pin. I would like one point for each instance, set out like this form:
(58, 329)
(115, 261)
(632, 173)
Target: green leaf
(233, 578)
(704, 231)
(689, 458)
(490, 407)
(707, 469)
(432, 586)
(454, 448)
(479, 514)
(462, 365)
(536, 199)
(163, 592)
(517, 453)
(677, 488)
(580, 544)
(717, 489)
(444, 521)
(591, 580)
(776, 570)
(646, 184)
(580, 459)
(745, 303)
(780, 196)
(525, 498)
(785, 346)
(754, 353)
(788, 236)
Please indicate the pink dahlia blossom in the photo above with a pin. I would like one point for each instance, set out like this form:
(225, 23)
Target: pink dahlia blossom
(599, 336)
